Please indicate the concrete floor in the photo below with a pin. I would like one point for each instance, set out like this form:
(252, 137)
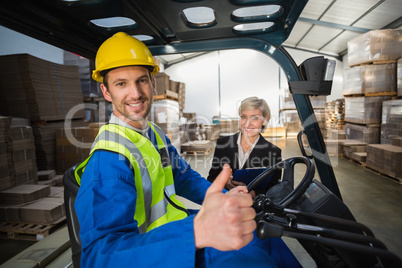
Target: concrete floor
(374, 201)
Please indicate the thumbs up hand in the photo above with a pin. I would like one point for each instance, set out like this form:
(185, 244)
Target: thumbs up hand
(225, 221)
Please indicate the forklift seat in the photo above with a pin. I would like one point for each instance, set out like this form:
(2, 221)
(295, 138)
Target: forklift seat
(70, 193)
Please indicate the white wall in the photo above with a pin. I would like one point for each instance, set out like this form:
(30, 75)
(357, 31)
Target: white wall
(243, 73)
(15, 43)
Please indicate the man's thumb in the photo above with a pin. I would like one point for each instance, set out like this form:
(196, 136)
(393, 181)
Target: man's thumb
(220, 181)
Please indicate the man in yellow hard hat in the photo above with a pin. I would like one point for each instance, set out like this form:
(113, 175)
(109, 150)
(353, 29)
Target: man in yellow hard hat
(127, 207)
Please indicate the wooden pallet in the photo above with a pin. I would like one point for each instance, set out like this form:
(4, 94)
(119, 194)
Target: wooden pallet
(375, 62)
(378, 94)
(353, 161)
(170, 95)
(386, 176)
(200, 153)
(29, 231)
(371, 94)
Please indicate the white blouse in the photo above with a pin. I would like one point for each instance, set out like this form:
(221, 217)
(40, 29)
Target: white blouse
(244, 156)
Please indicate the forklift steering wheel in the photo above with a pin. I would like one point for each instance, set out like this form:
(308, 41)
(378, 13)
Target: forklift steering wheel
(284, 193)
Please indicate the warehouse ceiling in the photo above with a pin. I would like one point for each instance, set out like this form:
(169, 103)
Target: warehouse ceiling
(80, 26)
(326, 26)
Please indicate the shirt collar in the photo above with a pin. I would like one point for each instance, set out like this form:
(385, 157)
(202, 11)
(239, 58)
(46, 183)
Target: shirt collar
(115, 120)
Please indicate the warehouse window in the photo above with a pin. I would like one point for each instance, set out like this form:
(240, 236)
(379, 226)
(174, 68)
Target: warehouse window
(251, 28)
(114, 22)
(251, 2)
(257, 13)
(199, 17)
(144, 38)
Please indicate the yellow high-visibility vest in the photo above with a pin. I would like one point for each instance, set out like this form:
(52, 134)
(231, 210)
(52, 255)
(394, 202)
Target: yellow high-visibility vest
(152, 172)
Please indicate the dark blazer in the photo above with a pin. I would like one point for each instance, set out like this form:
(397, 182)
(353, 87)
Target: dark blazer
(264, 154)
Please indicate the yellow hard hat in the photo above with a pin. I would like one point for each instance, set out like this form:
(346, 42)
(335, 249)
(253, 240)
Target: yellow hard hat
(122, 50)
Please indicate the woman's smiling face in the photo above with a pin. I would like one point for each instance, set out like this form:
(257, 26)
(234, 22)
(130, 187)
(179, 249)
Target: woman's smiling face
(251, 122)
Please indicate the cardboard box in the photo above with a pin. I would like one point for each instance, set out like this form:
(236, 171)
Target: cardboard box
(386, 159)
(54, 91)
(44, 211)
(364, 110)
(46, 174)
(391, 120)
(399, 77)
(359, 156)
(212, 132)
(162, 83)
(24, 193)
(369, 79)
(367, 134)
(376, 45)
(353, 146)
(397, 141)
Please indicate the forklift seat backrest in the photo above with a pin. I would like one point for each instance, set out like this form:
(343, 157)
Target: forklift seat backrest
(70, 193)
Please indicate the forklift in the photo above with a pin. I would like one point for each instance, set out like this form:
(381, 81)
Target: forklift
(312, 211)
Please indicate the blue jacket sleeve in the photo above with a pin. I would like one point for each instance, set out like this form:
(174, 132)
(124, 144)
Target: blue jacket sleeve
(105, 207)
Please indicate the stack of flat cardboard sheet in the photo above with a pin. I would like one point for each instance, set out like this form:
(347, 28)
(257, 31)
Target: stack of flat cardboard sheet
(22, 158)
(37, 89)
(5, 178)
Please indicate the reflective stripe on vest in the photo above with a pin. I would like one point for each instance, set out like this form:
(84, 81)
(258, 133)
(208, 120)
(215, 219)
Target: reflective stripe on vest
(144, 157)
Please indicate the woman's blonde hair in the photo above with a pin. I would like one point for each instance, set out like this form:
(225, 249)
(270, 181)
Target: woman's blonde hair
(252, 103)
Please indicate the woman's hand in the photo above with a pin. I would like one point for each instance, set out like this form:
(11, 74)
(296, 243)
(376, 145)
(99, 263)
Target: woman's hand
(230, 184)
(240, 186)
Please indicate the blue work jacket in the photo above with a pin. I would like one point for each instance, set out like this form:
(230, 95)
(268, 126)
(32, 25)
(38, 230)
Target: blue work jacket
(105, 206)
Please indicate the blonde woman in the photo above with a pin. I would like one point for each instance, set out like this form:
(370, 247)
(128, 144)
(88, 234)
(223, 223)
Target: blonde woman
(247, 148)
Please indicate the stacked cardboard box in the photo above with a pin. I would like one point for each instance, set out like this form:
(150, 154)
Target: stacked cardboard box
(5, 179)
(365, 133)
(391, 122)
(355, 150)
(24, 193)
(228, 126)
(30, 203)
(22, 158)
(45, 141)
(212, 132)
(364, 110)
(397, 141)
(386, 159)
(162, 83)
(334, 147)
(287, 102)
(49, 177)
(165, 113)
(376, 45)
(373, 79)
(38, 90)
(73, 145)
(291, 120)
(345, 147)
(89, 86)
(399, 77)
